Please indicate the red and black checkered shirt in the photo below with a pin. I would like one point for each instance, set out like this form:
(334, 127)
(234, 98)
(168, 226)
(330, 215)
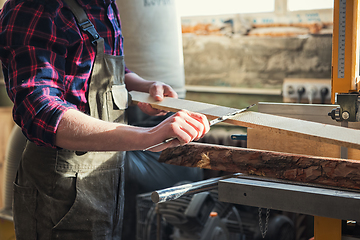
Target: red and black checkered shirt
(47, 60)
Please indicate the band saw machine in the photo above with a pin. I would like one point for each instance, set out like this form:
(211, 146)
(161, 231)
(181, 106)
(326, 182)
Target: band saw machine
(330, 199)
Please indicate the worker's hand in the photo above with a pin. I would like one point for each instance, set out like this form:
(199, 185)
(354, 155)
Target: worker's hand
(185, 126)
(158, 91)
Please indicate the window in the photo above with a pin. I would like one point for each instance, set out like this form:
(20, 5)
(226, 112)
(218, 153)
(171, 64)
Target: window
(295, 5)
(217, 7)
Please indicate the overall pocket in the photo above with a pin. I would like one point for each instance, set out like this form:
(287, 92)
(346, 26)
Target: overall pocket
(117, 102)
(24, 211)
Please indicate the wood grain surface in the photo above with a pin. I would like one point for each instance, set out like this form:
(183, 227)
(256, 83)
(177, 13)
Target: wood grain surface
(333, 172)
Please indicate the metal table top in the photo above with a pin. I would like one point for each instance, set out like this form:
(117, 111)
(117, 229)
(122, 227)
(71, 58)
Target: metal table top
(285, 196)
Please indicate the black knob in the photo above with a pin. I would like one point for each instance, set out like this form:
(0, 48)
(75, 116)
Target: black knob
(335, 114)
(300, 91)
(324, 92)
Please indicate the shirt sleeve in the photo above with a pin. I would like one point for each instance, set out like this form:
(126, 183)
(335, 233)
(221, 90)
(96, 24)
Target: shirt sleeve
(33, 52)
(127, 70)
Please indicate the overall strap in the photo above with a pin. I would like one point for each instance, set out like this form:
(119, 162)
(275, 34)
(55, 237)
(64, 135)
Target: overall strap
(83, 20)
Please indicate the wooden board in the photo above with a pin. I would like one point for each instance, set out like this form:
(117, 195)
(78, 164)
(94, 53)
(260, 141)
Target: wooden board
(262, 139)
(273, 124)
(332, 172)
(7, 125)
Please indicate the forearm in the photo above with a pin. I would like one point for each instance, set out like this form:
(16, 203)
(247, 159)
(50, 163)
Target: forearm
(137, 83)
(78, 131)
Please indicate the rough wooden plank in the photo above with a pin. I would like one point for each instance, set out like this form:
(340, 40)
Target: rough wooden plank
(262, 140)
(332, 172)
(273, 124)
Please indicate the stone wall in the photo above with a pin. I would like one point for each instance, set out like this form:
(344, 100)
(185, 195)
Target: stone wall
(255, 62)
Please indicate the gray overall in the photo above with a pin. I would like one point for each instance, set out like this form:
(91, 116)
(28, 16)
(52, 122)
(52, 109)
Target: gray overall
(69, 195)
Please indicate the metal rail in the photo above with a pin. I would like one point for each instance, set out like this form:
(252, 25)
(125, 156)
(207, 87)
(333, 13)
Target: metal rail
(172, 193)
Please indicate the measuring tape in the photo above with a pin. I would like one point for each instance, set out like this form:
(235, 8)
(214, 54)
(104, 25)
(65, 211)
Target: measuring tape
(341, 48)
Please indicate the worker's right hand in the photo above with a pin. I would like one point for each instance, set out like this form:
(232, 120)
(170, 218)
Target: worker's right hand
(185, 126)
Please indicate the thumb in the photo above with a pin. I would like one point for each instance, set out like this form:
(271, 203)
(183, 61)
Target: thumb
(157, 92)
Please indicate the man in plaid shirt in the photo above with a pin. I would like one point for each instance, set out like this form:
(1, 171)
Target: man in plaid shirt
(48, 66)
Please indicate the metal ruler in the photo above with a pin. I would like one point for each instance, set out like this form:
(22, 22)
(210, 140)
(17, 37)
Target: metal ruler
(341, 47)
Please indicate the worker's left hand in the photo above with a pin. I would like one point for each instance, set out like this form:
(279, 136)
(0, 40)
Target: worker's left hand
(158, 91)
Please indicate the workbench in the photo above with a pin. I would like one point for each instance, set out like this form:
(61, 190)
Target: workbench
(290, 197)
(329, 205)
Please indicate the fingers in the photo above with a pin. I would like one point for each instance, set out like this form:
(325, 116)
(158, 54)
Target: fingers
(184, 126)
(204, 126)
(148, 109)
(189, 126)
(160, 90)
